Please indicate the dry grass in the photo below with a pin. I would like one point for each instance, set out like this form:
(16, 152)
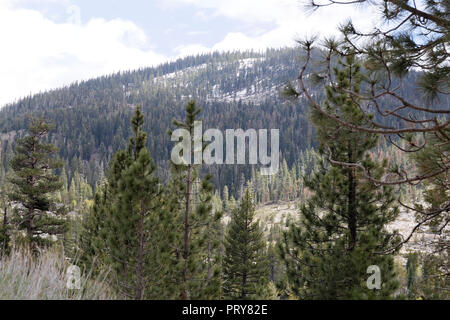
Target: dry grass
(24, 277)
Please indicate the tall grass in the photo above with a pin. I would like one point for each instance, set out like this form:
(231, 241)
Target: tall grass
(44, 277)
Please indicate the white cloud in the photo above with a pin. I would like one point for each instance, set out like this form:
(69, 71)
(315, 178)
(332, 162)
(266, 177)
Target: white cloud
(38, 54)
(250, 11)
(289, 18)
(191, 49)
(74, 14)
(239, 41)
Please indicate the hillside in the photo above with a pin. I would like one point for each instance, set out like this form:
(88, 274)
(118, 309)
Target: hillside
(236, 90)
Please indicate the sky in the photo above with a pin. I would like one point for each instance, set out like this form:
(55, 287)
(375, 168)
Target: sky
(46, 44)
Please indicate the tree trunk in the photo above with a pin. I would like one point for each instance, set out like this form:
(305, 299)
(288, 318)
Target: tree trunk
(244, 283)
(140, 266)
(184, 295)
(352, 213)
(209, 252)
(244, 258)
(5, 216)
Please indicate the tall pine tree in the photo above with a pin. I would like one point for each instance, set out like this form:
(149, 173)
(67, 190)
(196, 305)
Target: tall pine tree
(196, 271)
(341, 231)
(246, 267)
(34, 181)
(127, 229)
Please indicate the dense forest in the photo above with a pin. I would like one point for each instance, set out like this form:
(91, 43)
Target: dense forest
(92, 118)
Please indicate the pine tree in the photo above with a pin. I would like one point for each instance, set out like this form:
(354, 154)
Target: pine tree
(213, 233)
(34, 181)
(409, 48)
(4, 239)
(138, 234)
(391, 52)
(341, 231)
(189, 199)
(127, 226)
(434, 282)
(245, 263)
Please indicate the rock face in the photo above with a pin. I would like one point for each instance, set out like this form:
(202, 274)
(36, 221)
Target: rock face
(271, 214)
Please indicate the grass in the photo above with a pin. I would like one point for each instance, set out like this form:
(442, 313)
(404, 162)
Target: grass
(44, 277)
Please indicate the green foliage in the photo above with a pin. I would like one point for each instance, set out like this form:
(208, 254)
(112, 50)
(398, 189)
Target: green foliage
(33, 182)
(341, 230)
(92, 242)
(436, 213)
(168, 242)
(245, 266)
(126, 228)
(189, 199)
(427, 276)
(416, 38)
(432, 158)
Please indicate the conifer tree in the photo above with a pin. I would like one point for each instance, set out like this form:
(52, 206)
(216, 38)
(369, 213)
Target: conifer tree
(4, 239)
(33, 183)
(136, 227)
(189, 198)
(412, 43)
(137, 234)
(245, 267)
(126, 228)
(409, 49)
(341, 231)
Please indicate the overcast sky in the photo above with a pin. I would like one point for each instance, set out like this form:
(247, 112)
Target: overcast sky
(46, 44)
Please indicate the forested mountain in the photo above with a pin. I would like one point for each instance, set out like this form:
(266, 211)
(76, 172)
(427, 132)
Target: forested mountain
(235, 90)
